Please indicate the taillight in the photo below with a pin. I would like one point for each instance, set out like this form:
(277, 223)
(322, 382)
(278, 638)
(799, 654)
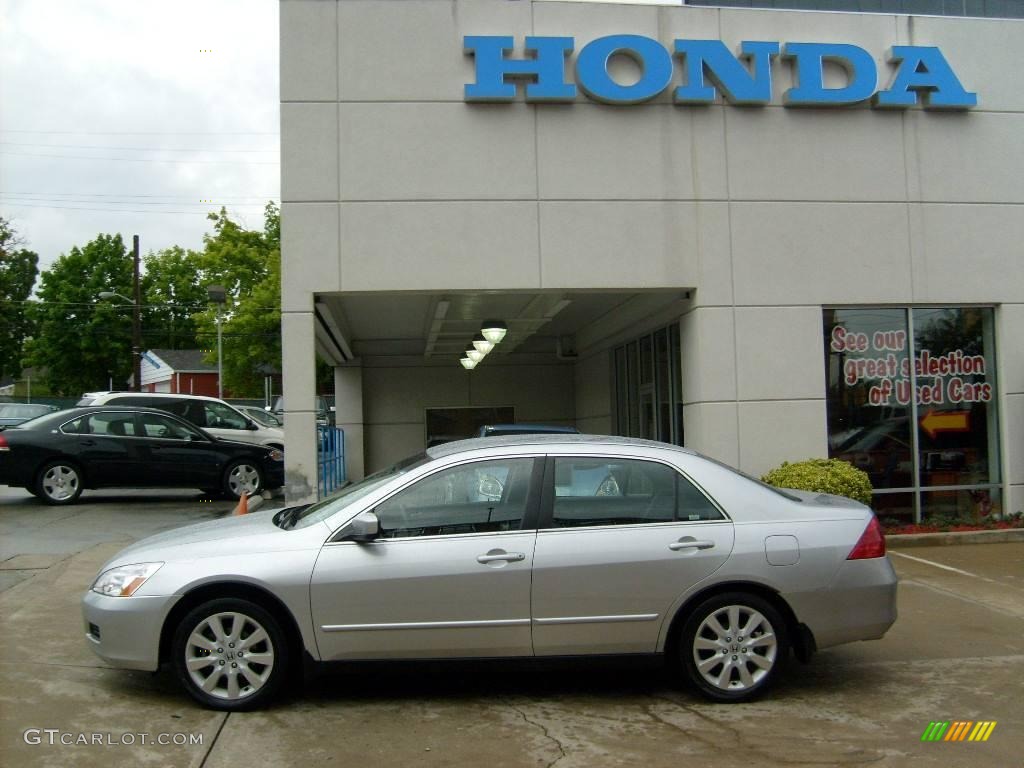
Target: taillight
(3, 444)
(871, 543)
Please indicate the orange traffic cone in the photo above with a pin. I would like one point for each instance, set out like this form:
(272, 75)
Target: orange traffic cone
(243, 505)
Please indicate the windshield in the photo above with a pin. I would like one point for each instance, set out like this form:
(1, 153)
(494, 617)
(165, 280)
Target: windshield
(324, 508)
(263, 417)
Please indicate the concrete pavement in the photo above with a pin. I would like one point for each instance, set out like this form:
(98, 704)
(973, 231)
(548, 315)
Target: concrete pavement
(956, 653)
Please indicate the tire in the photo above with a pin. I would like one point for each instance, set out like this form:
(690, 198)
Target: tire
(215, 648)
(243, 475)
(59, 482)
(727, 665)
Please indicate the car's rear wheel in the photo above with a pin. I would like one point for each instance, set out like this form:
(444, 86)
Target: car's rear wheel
(243, 476)
(231, 654)
(59, 482)
(732, 646)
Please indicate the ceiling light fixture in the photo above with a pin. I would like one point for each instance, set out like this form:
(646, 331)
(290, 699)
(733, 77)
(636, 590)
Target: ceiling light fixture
(473, 354)
(482, 344)
(468, 364)
(494, 330)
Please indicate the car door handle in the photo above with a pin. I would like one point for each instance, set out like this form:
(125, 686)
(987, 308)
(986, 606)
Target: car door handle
(88, 442)
(499, 555)
(689, 543)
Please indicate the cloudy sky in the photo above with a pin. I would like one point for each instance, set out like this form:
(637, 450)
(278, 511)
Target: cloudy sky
(136, 117)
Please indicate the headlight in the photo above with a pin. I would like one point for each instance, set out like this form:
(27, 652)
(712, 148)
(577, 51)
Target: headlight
(275, 455)
(124, 580)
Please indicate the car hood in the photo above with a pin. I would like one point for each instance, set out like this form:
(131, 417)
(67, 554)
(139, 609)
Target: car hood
(235, 443)
(235, 534)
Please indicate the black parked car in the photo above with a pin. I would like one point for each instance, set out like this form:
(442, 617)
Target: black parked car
(57, 456)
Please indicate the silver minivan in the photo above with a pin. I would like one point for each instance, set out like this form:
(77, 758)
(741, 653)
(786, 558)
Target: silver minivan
(215, 416)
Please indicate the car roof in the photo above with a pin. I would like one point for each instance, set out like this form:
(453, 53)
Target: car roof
(547, 441)
(154, 395)
(80, 410)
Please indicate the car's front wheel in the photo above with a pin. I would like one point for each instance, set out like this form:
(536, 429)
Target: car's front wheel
(732, 645)
(231, 654)
(59, 482)
(243, 476)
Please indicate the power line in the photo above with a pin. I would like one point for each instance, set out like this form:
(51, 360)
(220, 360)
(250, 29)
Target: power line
(135, 149)
(134, 160)
(101, 210)
(120, 202)
(145, 133)
(270, 197)
(160, 305)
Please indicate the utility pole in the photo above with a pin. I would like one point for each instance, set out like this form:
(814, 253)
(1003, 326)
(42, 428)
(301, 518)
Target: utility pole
(218, 295)
(136, 319)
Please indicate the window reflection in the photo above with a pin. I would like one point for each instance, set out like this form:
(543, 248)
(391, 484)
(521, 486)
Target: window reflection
(911, 398)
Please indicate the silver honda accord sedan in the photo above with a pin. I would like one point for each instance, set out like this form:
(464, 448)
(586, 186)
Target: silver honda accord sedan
(520, 546)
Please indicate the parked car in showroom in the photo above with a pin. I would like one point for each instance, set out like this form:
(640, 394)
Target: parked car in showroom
(504, 547)
(56, 457)
(522, 428)
(210, 413)
(18, 413)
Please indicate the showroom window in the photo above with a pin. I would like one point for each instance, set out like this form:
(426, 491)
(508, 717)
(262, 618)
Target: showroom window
(912, 402)
(648, 389)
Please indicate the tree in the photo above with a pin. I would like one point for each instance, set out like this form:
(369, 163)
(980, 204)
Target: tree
(248, 264)
(172, 292)
(18, 270)
(81, 341)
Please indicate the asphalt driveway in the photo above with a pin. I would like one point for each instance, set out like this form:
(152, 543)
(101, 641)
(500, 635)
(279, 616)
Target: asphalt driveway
(956, 653)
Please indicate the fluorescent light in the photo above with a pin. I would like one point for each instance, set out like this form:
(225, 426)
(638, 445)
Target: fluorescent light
(482, 345)
(494, 330)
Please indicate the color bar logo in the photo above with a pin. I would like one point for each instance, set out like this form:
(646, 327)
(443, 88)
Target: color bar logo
(958, 730)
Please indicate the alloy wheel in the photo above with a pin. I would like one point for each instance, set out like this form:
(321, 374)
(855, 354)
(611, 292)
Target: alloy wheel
(735, 647)
(60, 482)
(244, 478)
(229, 656)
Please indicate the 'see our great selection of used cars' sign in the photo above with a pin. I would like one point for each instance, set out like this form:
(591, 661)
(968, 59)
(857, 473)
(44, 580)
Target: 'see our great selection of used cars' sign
(922, 75)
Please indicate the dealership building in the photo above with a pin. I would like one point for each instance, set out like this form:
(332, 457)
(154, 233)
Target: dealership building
(764, 234)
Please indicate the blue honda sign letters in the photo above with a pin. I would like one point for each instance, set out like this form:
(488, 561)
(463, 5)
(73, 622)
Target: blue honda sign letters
(923, 76)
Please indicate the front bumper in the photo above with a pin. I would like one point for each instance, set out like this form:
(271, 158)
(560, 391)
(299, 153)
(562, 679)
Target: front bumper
(125, 631)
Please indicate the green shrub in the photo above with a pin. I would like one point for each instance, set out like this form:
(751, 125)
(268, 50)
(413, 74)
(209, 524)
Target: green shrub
(823, 476)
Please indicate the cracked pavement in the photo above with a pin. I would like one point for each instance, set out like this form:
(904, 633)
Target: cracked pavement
(956, 653)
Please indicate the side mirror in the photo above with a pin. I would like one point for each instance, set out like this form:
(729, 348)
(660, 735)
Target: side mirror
(363, 527)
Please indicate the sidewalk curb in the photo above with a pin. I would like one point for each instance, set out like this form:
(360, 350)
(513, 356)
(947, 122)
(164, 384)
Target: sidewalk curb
(911, 540)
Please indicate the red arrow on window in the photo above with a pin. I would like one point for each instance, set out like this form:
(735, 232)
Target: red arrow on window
(934, 422)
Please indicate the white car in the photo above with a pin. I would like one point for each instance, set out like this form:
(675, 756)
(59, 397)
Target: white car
(214, 415)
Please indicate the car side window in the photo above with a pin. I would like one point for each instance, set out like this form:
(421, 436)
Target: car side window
(79, 426)
(592, 492)
(112, 424)
(221, 417)
(157, 426)
(480, 497)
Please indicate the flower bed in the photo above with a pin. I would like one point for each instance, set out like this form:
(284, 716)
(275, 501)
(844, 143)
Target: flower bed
(893, 528)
